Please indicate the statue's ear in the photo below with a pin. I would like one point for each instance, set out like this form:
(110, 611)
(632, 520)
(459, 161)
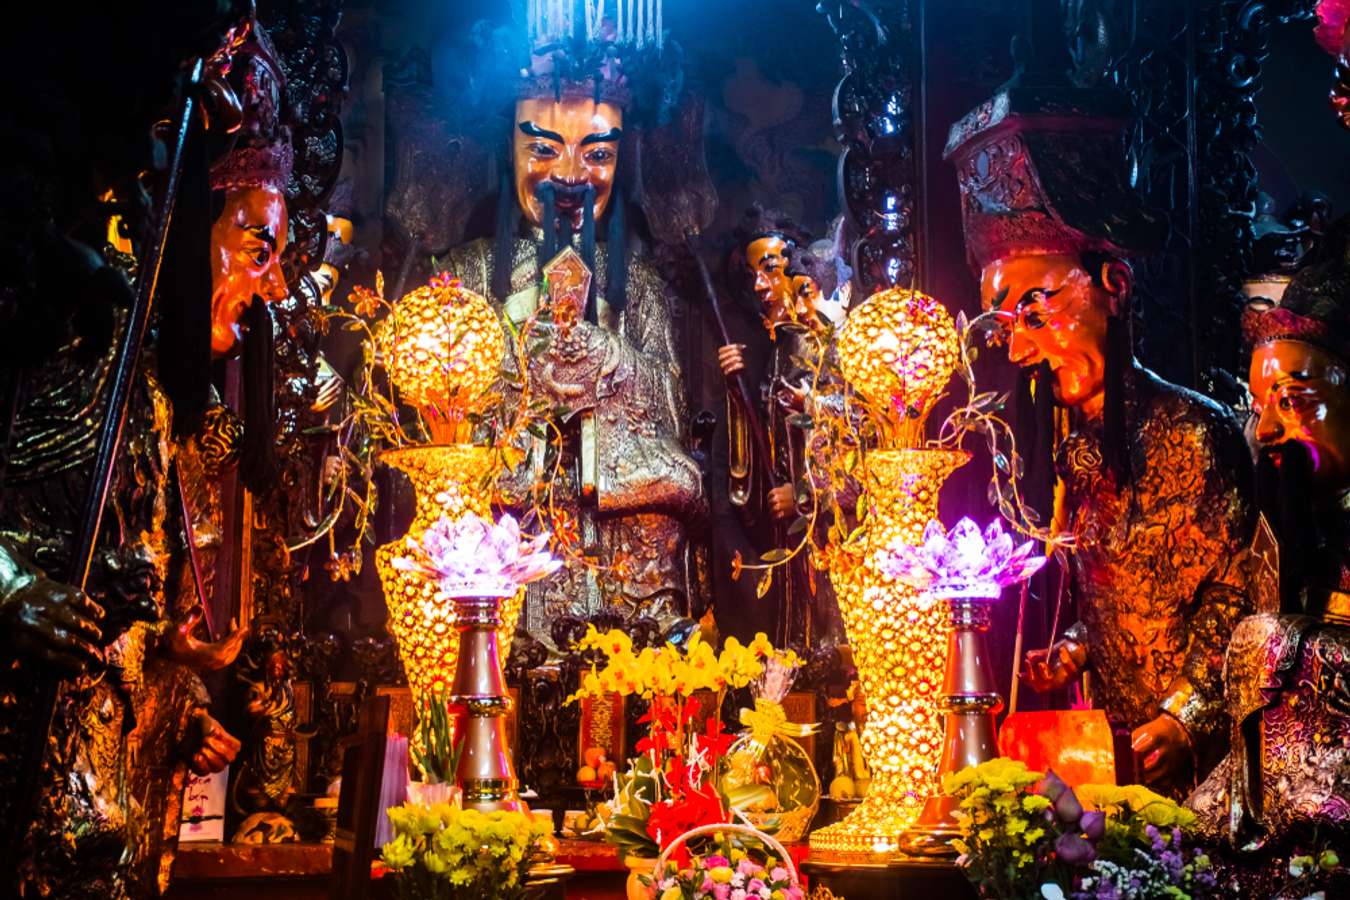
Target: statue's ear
(1118, 279)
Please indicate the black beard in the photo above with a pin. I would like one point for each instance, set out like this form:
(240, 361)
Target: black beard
(1312, 536)
(257, 460)
(579, 200)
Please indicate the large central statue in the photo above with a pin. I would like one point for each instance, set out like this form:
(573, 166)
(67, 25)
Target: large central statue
(606, 365)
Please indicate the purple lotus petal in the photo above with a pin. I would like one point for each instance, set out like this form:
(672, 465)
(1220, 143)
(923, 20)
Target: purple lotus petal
(1093, 823)
(1000, 551)
(1021, 565)
(1074, 849)
(1052, 786)
(964, 562)
(1067, 808)
(470, 556)
(934, 541)
(968, 544)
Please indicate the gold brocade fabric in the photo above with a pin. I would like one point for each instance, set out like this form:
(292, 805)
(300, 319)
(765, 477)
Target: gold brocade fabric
(1288, 775)
(625, 374)
(1155, 573)
(106, 826)
(1286, 780)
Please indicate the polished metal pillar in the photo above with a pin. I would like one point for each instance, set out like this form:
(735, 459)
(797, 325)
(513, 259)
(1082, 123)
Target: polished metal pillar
(479, 703)
(970, 704)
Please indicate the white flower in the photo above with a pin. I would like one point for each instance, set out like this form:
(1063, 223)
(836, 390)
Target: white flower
(473, 557)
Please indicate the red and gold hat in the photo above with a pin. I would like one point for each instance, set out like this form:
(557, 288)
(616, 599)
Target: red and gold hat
(1042, 171)
(262, 155)
(1315, 308)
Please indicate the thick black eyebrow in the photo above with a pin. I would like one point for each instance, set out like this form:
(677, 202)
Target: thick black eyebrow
(614, 134)
(533, 130)
(1035, 295)
(263, 233)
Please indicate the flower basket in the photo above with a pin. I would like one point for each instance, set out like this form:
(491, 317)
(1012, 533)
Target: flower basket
(772, 783)
(766, 776)
(793, 877)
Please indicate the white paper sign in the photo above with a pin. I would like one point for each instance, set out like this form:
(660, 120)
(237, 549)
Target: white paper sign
(204, 807)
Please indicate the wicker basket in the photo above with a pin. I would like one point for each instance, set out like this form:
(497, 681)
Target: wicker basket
(660, 866)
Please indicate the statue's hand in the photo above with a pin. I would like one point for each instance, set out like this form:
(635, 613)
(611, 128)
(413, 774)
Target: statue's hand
(216, 748)
(329, 387)
(796, 396)
(52, 622)
(1162, 749)
(180, 646)
(577, 342)
(1054, 667)
(731, 357)
(782, 501)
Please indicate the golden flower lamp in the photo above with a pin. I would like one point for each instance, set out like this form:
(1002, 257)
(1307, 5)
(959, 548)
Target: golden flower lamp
(898, 350)
(442, 347)
(966, 572)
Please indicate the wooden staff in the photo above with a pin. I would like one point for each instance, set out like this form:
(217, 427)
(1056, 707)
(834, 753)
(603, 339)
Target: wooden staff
(125, 366)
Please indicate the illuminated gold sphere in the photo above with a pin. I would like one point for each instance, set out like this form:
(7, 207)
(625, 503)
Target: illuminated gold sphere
(442, 347)
(899, 348)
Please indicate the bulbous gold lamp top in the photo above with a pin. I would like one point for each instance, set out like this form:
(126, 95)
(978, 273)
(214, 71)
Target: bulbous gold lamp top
(442, 347)
(899, 349)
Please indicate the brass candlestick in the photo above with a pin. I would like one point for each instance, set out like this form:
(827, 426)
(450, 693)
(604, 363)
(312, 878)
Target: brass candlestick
(969, 704)
(479, 704)
(966, 571)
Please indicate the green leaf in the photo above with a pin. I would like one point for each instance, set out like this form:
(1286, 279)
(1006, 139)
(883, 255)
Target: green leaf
(765, 582)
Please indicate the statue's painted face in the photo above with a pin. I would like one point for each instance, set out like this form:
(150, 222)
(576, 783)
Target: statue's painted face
(1051, 310)
(767, 258)
(807, 300)
(570, 143)
(1301, 393)
(246, 245)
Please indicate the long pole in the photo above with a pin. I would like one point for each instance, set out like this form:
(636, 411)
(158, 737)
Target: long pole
(125, 365)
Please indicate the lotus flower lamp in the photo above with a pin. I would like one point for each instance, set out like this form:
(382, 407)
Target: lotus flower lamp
(475, 564)
(968, 570)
